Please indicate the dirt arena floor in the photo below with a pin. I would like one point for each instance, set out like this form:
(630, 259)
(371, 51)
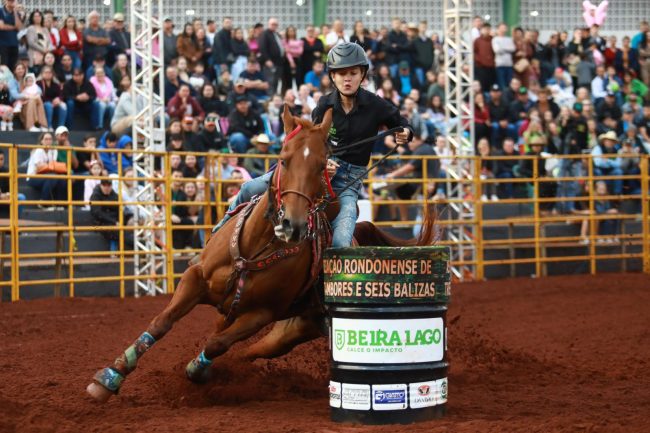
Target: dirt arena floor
(527, 355)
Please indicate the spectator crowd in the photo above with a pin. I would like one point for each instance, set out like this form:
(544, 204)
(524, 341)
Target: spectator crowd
(225, 87)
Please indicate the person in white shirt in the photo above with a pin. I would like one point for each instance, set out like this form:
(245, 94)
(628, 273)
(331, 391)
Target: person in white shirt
(503, 47)
(477, 23)
(598, 87)
(336, 36)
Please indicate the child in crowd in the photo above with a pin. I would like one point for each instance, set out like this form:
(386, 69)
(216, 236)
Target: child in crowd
(96, 170)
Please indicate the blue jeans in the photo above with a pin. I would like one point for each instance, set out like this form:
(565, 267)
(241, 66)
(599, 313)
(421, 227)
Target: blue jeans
(61, 113)
(239, 142)
(101, 110)
(419, 73)
(343, 225)
(507, 189)
(73, 106)
(614, 186)
(76, 59)
(51, 189)
(504, 76)
(571, 188)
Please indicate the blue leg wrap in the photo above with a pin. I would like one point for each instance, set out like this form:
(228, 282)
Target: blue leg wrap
(109, 379)
(196, 366)
(127, 361)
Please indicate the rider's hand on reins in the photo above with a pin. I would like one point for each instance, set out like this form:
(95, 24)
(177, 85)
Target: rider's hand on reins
(402, 137)
(332, 166)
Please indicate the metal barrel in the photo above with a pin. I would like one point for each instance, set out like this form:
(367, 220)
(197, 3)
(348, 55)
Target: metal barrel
(387, 312)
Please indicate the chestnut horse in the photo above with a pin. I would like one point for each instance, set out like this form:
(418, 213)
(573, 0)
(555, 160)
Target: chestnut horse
(282, 233)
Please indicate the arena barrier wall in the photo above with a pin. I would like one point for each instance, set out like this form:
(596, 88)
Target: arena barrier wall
(524, 243)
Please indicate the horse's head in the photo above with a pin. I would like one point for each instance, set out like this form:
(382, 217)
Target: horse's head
(297, 181)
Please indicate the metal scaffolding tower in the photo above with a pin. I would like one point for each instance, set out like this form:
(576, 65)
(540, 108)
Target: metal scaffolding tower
(147, 93)
(459, 115)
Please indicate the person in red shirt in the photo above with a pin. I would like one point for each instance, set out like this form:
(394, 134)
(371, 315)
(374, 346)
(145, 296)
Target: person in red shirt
(72, 41)
(484, 68)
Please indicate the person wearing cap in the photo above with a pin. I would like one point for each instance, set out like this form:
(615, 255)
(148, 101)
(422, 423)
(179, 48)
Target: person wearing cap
(120, 37)
(608, 112)
(240, 88)
(357, 114)
(96, 40)
(258, 166)
(406, 79)
(499, 116)
(608, 166)
(525, 168)
(209, 138)
(244, 124)
(520, 107)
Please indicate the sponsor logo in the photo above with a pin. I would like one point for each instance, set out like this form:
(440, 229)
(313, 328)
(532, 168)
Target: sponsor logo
(443, 389)
(422, 394)
(389, 397)
(355, 396)
(388, 341)
(335, 394)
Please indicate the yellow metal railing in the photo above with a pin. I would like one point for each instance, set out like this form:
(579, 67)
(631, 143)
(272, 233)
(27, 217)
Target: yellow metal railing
(539, 242)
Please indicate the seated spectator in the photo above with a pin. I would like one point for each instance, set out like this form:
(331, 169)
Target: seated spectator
(43, 160)
(120, 70)
(109, 160)
(183, 70)
(628, 155)
(415, 169)
(96, 170)
(434, 117)
(225, 83)
(125, 110)
(172, 83)
(175, 162)
(388, 92)
(64, 69)
(482, 121)
(184, 104)
(189, 126)
(198, 78)
(240, 52)
(29, 104)
(561, 87)
(244, 124)
(313, 77)
(258, 166)
(506, 168)
(5, 188)
(52, 95)
(405, 80)
(520, 107)
(253, 81)
(106, 98)
(210, 136)
(188, 47)
(98, 63)
(499, 116)
(603, 206)
(608, 146)
(6, 108)
(210, 102)
(108, 215)
(525, 169)
(80, 97)
(90, 154)
(306, 101)
(609, 113)
(176, 144)
(190, 167)
(129, 190)
(239, 89)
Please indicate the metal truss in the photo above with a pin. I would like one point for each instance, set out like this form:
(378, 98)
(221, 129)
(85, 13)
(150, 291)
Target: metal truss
(459, 115)
(147, 88)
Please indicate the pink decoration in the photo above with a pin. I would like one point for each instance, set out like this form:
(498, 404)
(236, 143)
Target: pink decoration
(594, 14)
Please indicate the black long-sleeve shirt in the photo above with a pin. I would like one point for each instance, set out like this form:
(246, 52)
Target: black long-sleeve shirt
(369, 114)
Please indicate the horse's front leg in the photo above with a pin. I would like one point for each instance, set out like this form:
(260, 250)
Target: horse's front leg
(243, 327)
(190, 291)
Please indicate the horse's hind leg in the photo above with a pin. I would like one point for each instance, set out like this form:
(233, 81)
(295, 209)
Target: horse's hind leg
(189, 293)
(286, 335)
(241, 328)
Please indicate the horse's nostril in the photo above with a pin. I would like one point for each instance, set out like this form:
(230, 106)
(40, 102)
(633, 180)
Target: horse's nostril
(286, 224)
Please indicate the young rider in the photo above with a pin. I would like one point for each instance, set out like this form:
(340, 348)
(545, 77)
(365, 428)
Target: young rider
(357, 115)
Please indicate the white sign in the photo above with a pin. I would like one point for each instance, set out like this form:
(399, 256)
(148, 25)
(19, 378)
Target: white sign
(422, 394)
(355, 396)
(402, 341)
(335, 394)
(389, 397)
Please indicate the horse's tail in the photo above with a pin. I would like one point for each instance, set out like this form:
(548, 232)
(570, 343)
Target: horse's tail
(367, 234)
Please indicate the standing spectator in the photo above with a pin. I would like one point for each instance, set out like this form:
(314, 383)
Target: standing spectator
(38, 40)
(105, 102)
(240, 52)
(611, 51)
(5, 188)
(52, 95)
(503, 48)
(109, 214)
(72, 40)
(397, 47)
(96, 40)
(210, 30)
(253, 39)
(477, 25)
(293, 48)
(120, 37)
(206, 48)
(188, 47)
(484, 58)
(314, 76)
(599, 85)
(184, 104)
(644, 58)
(627, 58)
(644, 26)
(336, 36)
(423, 52)
(272, 55)
(312, 50)
(244, 124)
(12, 16)
(169, 43)
(222, 52)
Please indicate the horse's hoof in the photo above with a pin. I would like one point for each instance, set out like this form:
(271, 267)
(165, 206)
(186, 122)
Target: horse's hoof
(99, 392)
(197, 375)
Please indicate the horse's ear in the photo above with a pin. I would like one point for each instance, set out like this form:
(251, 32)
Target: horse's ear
(287, 119)
(326, 123)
